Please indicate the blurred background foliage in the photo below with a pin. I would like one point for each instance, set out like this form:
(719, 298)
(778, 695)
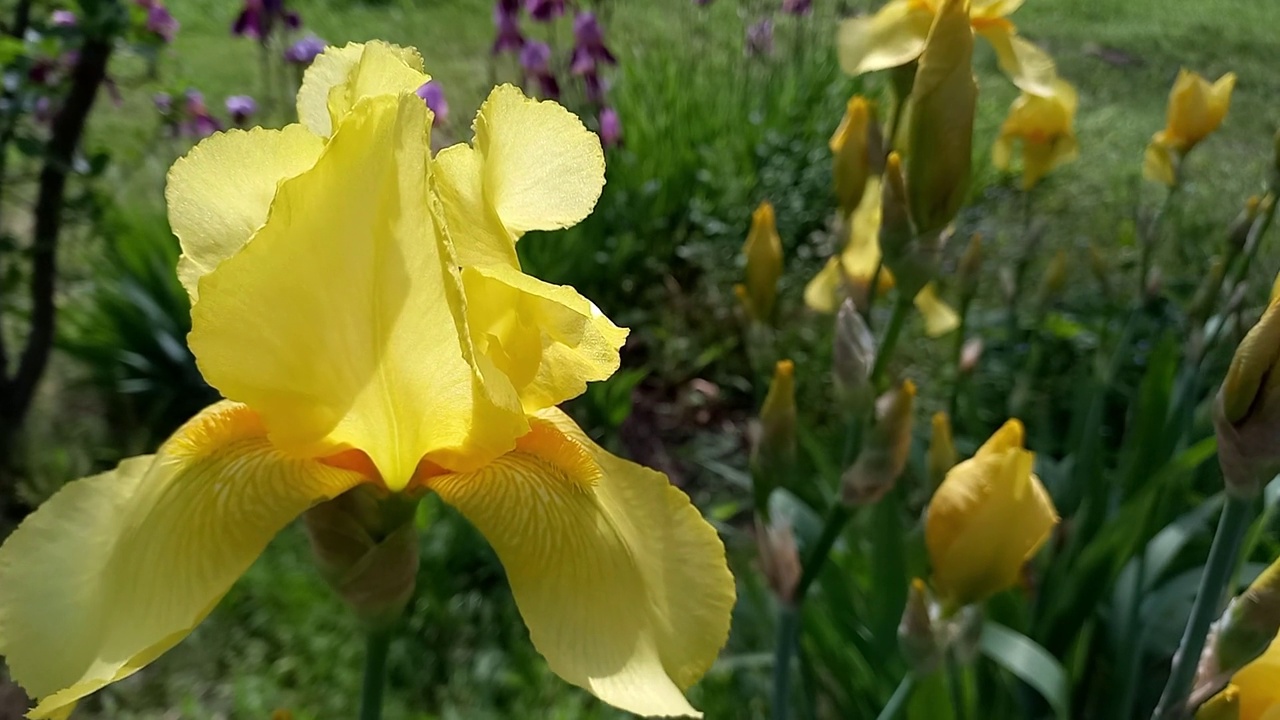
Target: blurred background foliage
(708, 131)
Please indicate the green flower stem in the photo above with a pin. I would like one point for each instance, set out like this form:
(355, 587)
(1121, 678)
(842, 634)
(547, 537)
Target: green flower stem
(955, 685)
(890, 342)
(898, 701)
(788, 637)
(375, 674)
(1213, 585)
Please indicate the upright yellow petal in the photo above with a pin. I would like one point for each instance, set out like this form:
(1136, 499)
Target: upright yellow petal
(220, 192)
(939, 318)
(1025, 64)
(480, 238)
(861, 255)
(989, 516)
(893, 36)
(116, 569)
(339, 77)
(548, 340)
(623, 585)
(343, 323)
(852, 153)
(825, 291)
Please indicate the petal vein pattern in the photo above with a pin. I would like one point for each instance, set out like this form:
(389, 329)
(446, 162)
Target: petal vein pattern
(623, 585)
(117, 568)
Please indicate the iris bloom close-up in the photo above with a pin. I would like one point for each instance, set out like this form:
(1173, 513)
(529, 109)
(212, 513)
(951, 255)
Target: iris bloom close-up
(359, 304)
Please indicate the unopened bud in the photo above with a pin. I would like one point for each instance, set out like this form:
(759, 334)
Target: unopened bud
(1249, 624)
(916, 636)
(774, 454)
(1247, 415)
(970, 355)
(366, 547)
(970, 268)
(912, 258)
(1055, 278)
(853, 357)
(940, 126)
(884, 455)
(779, 558)
(850, 146)
(763, 250)
(942, 450)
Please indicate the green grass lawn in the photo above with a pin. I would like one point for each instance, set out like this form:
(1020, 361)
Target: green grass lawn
(281, 641)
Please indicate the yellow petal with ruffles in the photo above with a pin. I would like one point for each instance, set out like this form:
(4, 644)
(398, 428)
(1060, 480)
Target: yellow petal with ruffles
(219, 194)
(939, 318)
(623, 585)
(548, 340)
(339, 77)
(893, 36)
(343, 322)
(116, 569)
(479, 235)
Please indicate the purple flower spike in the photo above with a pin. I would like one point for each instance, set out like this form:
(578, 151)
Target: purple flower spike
(162, 23)
(507, 20)
(610, 128)
(544, 10)
(535, 58)
(241, 108)
(203, 126)
(292, 20)
(595, 86)
(589, 48)
(63, 18)
(760, 38)
(432, 93)
(797, 7)
(249, 22)
(305, 50)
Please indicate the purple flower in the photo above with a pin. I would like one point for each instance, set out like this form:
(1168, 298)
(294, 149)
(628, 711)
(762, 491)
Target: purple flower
(241, 108)
(258, 19)
(161, 22)
(544, 10)
(63, 18)
(163, 102)
(610, 128)
(702, 3)
(432, 93)
(535, 58)
(589, 48)
(506, 18)
(250, 21)
(760, 38)
(595, 86)
(797, 7)
(203, 126)
(305, 50)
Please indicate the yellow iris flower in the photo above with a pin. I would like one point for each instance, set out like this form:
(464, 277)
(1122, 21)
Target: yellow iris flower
(895, 35)
(989, 516)
(360, 303)
(1254, 692)
(1045, 127)
(1196, 109)
(849, 273)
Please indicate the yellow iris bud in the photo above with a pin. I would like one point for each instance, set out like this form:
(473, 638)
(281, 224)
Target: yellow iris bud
(1249, 624)
(942, 449)
(989, 516)
(940, 127)
(1043, 124)
(917, 637)
(775, 449)
(1254, 692)
(763, 250)
(1248, 408)
(851, 147)
(1196, 109)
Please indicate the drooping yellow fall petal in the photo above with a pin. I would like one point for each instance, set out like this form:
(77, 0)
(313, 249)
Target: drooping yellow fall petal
(1159, 164)
(339, 77)
(1044, 125)
(116, 569)
(343, 322)
(547, 339)
(891, 37)
(826, 290)
(623, 585)
(219, 194)
(861, 255)
(939, 318)
(763, 250)
(1254, 690)
(989, 516)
